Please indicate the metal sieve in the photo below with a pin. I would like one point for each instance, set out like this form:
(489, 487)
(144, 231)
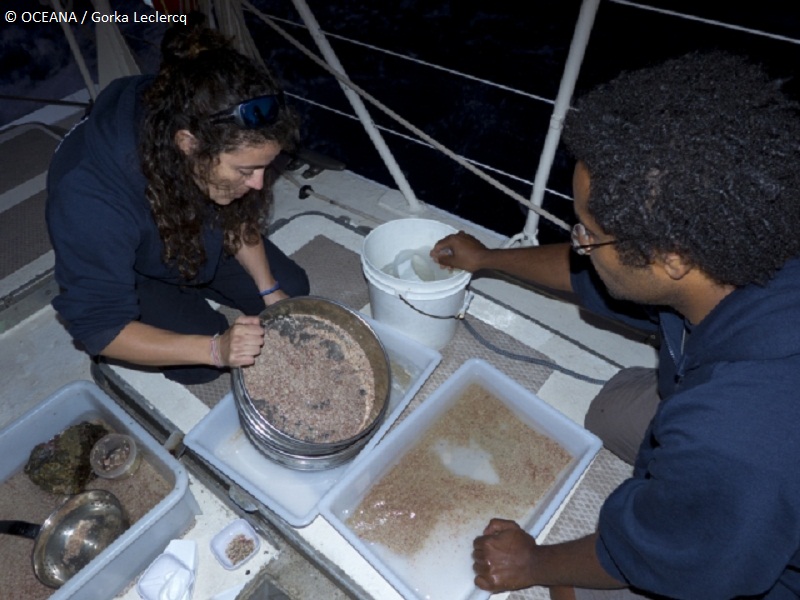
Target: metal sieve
(289, 450)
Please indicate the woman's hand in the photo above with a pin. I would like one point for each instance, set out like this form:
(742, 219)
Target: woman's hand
(460, 251)
(503, 557)
(240, 345)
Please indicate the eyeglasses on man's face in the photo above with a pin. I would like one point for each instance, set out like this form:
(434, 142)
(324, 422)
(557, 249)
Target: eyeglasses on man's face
(583, 241)
(255, 113)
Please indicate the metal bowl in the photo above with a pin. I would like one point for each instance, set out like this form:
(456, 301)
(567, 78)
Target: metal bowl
(305, 455)
(77, 531)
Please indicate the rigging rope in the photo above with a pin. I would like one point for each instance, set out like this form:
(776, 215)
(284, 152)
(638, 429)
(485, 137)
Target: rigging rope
(389, 112)
(424, 63)
(414, 140)
(713, 22)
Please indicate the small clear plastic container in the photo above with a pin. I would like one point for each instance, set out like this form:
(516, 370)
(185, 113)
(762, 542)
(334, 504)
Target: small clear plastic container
(115, 456)
(236, 544)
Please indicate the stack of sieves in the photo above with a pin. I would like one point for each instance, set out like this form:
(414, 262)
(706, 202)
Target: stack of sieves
(300, 454)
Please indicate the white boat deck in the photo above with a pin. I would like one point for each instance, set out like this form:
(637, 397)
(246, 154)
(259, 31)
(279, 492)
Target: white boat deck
(37, 357)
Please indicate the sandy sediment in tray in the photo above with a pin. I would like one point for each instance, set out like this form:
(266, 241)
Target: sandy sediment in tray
(421, 492)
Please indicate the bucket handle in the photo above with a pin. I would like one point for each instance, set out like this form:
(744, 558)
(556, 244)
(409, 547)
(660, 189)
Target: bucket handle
(461, 313)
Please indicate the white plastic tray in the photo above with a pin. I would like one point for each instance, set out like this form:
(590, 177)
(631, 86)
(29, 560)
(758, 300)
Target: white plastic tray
(294, 495)
(418, 577)
(111, 570)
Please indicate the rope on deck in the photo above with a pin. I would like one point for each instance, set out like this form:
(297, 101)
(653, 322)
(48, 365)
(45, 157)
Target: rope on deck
(530, 359)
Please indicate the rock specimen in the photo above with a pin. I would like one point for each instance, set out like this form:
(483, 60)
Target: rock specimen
(61, 465)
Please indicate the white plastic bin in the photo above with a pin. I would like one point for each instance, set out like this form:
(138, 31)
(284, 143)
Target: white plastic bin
(114, 568)
(423, 578)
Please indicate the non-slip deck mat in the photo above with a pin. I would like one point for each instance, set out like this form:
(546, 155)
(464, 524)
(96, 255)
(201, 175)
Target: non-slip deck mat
(334, 271)
(24, 234)
(25, 251)
(25, 153)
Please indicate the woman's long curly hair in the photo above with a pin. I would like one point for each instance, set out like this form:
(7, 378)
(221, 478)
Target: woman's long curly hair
(200, 75)
(697, 156)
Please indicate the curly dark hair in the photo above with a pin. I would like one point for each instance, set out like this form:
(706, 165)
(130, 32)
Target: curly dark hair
(200, 75)
(697, 156)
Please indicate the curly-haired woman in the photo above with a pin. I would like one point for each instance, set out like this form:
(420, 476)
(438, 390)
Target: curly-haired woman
(156, 204)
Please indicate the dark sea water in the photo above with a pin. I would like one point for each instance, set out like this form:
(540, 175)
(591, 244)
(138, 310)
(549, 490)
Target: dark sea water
(519, 45)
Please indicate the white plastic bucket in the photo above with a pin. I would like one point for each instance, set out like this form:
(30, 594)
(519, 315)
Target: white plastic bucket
(425, 310)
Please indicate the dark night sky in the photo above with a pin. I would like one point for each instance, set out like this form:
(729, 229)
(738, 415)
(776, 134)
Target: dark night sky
(520, 45)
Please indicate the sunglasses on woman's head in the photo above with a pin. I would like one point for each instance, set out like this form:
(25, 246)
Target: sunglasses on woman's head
(255, 113)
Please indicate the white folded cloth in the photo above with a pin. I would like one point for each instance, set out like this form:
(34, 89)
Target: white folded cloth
(171, 575)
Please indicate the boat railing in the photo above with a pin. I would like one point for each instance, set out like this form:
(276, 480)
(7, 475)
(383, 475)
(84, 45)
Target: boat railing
(356, 95)
(228, 16)
(561, 103)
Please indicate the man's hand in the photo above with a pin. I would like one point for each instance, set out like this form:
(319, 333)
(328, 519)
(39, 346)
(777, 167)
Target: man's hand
(503, 557)
(460, 251)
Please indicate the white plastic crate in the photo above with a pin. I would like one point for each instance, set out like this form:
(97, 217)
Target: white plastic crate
(115, 567)
(447, 574)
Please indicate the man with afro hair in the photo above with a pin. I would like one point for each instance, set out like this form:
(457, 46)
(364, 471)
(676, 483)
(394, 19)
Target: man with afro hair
(687, 205)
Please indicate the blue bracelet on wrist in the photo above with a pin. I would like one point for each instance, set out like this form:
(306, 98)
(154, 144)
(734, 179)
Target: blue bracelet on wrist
(274, 288)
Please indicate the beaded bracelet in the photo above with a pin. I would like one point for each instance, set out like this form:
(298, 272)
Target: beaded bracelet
(274, 288)
(215, 357)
